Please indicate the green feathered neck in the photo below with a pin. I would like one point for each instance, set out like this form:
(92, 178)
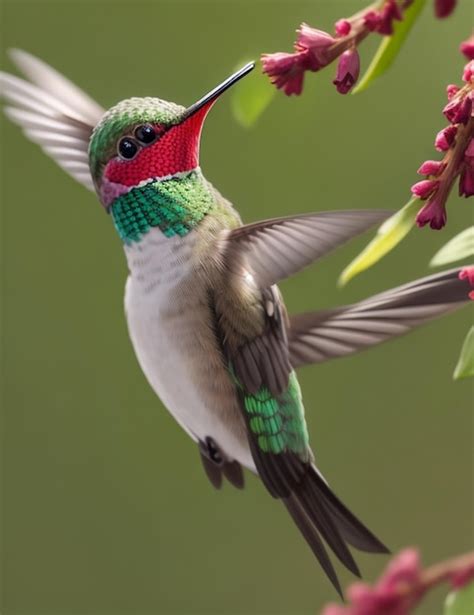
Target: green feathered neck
(175, 205)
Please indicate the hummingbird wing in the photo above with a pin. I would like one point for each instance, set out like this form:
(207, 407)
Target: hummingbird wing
(323, 335)
(52, 112)
(272, 406)
(278, 248)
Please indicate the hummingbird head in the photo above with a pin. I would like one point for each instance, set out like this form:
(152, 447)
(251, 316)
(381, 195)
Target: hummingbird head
(147, 139)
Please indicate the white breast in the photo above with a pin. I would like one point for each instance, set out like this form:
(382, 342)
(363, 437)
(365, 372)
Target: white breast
(166, 311)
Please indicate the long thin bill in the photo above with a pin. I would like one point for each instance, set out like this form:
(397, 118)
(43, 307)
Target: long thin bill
(217, 91)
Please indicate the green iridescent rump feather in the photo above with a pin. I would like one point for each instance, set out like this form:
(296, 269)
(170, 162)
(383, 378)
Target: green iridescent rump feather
(278, 421)
(176, 206)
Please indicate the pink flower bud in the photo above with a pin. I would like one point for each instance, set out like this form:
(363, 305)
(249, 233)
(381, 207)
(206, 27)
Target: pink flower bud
(372, 20)
(433, 213)
(451, 90)
(431, 167)
(425, 188)
(458, 111)
(468, 73)
(445, 138)
(390, 12)
(286, 71)
(347, 71)
(466, 273)
(466, 180)
(342, 27)
(444, 8)
(467, 48)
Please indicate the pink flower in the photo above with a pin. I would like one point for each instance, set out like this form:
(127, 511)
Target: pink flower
(445, 138)
(433, 213)
(425, 188)
(468, 73)
(286, 70)
(403, 573)
(342, 27)
(444, 8)
(451, 90)
(467, 47)
(372, 20)
(390, 12)
(458, 110)
(466, 180)
(431, 167)
(316, 42)
(463, 577)
(347, 71)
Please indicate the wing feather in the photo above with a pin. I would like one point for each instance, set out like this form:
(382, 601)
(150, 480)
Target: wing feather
(52, 112)
(278, 248)
(320, 336)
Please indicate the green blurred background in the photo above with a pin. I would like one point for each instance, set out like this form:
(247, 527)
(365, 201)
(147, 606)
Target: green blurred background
(105, 506)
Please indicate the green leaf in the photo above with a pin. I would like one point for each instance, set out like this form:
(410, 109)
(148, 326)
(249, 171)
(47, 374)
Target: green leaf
(390, 46)
(460, 602)
(457, 248)
(252, 96)
(388, 236)
(465, 366)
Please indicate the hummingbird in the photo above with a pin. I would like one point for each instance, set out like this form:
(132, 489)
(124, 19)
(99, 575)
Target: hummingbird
(205, 316)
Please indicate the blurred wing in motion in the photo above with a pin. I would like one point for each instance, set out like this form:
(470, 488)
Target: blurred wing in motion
(320, 336)
(52, 112)
(278, 248)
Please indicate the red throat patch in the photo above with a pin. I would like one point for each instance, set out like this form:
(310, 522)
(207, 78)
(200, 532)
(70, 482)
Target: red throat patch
(176, 151)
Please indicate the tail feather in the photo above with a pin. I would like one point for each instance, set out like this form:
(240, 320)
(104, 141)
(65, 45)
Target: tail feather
(318, 513)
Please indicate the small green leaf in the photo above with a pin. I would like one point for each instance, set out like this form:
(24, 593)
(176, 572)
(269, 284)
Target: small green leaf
(465, 366)
(457, 248)
(388, 236)
(252, 96)
(460, 602)
(390, 46)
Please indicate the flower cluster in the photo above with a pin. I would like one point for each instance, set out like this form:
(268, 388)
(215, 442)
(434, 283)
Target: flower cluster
(314, 49)
(402, 585)
(457, 141)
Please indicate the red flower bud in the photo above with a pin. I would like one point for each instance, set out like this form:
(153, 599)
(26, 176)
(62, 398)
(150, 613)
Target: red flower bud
(431, 167)
(425, 188)
(468, 73)
(372, 20)
(467, 48)
(444, 8)
(347, 71)
(445, 138)
(458, 111)
(433, 213)
(316, 42)
(466, 273)
(342, 27)
(451, 90)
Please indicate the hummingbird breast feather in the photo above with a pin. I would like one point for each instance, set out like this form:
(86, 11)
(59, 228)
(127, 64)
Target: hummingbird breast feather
(170, 325)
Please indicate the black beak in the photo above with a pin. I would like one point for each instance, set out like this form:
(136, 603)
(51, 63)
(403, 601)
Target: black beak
(217, 91)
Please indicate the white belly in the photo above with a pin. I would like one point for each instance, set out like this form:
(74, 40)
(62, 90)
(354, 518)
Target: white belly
(171, 342)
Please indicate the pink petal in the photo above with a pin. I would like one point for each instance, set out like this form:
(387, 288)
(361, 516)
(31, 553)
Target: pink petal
(451, 90)
(468, 72)
(458, 110)
(286, 71)
(445, 138)
(431, 167)
(433, 213)
(425, 188)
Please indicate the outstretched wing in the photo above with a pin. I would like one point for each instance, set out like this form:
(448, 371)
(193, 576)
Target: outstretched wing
(52, 112)
(276, 249)
(320, 336)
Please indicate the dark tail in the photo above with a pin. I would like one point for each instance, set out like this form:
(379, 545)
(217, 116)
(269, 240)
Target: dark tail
(318, 513)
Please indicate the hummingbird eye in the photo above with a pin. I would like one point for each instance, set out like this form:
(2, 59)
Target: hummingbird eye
(127, 148)
(146, 134)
